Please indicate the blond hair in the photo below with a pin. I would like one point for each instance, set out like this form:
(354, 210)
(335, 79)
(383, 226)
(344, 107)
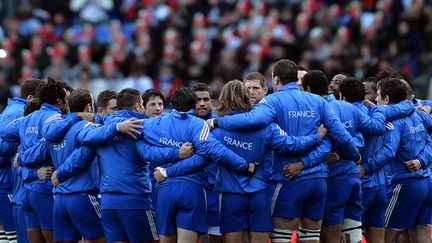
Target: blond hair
(234, 96)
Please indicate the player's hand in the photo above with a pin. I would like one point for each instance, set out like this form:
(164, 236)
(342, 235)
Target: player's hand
(413, 165)
(15, 163)
(130, 127)
(332, 157)
(425, 108)
(322, 131)
(359, 160)
(45, 172)
(293, 169)
(55, 181)
(186, 150)
(159, 174)
(362, 170)
(368, 103)
(86, 116)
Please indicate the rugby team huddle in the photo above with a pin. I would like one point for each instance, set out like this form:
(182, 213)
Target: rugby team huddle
(327, 161)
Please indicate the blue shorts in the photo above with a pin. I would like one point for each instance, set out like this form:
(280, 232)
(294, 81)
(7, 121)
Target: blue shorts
(374, 206)
(299, 199)
(38, 210)
(183, 205)
(19, 221)
(77, 216)
(133, 225)
(344, 194)
(213, 208)
(410, 203)
(249, 212)
(6, 218)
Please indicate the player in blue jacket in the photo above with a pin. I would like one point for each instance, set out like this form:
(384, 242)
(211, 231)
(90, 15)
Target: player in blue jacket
(245, 208)
(410, 197)
(38, 200)
(14, 110)
(106, 104)
(298, 199)
(343, 203)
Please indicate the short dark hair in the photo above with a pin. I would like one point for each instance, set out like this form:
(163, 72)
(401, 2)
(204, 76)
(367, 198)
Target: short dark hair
(394, 88)
(256, 76)
(79, 99)
(52, 91)
(30, 86)
(352, 89)
(387, 73)
(127, 98)
(317, 82)
(286, 71)
(202, 87)
(104, 97)
(32, 106)
(183, 99)
(151, 93)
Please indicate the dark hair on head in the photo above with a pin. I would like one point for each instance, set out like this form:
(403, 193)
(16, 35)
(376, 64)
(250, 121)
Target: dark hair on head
(52, 91)
(256, 76)
(151, 93)
(388, 73)
(79, 99)
(285, 70)
(317, 81)
(352, 89)
(32, 106)
(104, 97)
(127, 98)
(202, 87)
(301, 68)
(183, 99)
(30, 86)
(395, 88)
(369, 80)
(234, 96)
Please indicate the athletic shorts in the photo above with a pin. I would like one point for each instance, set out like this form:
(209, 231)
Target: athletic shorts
(20, 225)
(77, 216)
(213, 208)
(299, 199)
(38, 210)
(133, 225)
(409, 204)
(249, 212)
(6, 218)
(182, 205)
(374, 206)
(344, 194)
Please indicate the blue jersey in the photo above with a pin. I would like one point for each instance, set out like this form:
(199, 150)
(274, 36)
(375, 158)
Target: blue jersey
(298, 113)
(86, 180)
(254, 146)
(405, 139)
(356, 123)
(14, 110)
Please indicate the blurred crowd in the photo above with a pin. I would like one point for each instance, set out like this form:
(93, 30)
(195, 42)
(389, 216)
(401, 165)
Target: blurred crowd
(112, 44)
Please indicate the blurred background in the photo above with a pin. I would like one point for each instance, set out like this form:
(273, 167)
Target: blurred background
(112, 44)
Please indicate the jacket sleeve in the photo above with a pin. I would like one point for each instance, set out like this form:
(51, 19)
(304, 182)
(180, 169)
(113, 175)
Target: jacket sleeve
(207, 145)
(94, 134)
(11, 131)
(283, 143)
(317, 155)
(56, 126)
(35, 155)
(396, 111)
(386, 152)
(338, 134)
(260, 116)
(187, 166)
(374, 124)
(7, 148)
(425, 155)
(155, 154)
(80, 159)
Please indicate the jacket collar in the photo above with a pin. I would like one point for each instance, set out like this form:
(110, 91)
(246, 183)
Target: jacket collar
(49, 107)
(288, 86)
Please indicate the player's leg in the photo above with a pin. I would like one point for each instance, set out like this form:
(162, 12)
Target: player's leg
(259, 217)
(214, 234)
(139, 224)
(3, 237)
(374, 205)
(166, 199)
(233, 216)
(34, 232)
(234, 237)
(8, 229)
(112, 226)
(421, 233)
(20, 223)
(42, 205)
(352, 224)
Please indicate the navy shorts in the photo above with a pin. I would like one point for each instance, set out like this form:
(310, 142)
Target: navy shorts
(38, 210)
(374, 206)
(20, 225)
(6, 218)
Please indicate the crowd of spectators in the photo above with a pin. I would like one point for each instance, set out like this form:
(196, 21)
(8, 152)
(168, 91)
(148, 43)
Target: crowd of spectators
(100, 44)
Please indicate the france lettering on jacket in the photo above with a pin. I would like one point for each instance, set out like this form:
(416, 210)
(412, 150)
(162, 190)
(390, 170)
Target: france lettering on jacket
(347, 124)
(301, 114)
(31, 130)
(170, 142)
(237, 143)
(59, 146)
(416, 129)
